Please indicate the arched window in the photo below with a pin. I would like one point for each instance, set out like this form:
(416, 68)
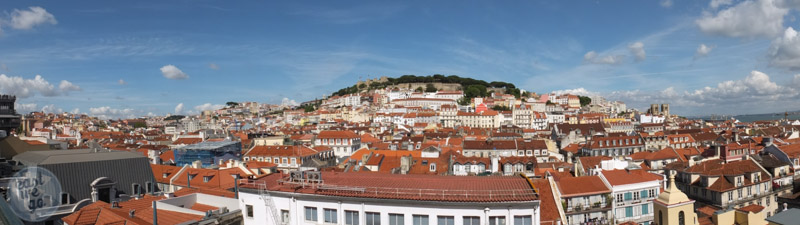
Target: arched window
(681, 219)
(660, 219)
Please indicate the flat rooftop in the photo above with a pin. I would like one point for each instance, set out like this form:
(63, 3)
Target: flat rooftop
(208, 145)
(407, 187)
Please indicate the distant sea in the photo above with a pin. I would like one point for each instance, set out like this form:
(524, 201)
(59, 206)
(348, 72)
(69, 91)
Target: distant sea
(757, 117)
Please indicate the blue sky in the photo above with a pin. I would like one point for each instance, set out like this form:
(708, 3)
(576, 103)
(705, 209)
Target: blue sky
(115, 56)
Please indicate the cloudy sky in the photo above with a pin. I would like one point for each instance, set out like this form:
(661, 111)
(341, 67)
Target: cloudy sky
(129, 58)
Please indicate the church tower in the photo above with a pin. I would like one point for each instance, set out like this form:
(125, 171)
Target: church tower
(673, 207)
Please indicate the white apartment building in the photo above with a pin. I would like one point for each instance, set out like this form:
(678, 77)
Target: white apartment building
(373, 199)
(633, 192)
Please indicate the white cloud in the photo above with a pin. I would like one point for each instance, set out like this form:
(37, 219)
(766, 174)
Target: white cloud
(751, 18)
(576, 91)
(27, 19)
(172, 72)
(703, 50)
(666, 3)
(24, 88)
(75, 111)
(637, 49)
(208, 106)
(25, 107)
(594, 58)
(289, 102)
(179, 108)
(106, 112)
(122, 82)
(717, 3)
(51, 109)
(785, 51)
(213, 66)
(726, 96)
(66, 86)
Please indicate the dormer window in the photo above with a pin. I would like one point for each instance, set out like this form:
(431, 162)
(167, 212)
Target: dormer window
(165, 175)
(207, 178)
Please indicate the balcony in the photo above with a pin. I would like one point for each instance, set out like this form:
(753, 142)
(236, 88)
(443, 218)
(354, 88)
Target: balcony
(598, 206)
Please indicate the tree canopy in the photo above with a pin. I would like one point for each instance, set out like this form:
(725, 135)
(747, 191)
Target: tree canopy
(585, 100)
(436, 78)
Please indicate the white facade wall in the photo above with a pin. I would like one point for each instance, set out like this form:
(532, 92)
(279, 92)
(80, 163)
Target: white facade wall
(294, 209)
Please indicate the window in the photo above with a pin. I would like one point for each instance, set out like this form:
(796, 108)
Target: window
(373, 218)
(135, 189)
(730, 196)
(294, 161)
(433, 167)
(396, 219)
(351, 217)
(164, 175)
(740, 193)
(249, 210)
(472, 220)
(619, 197)
(522, 220)
(149, 186)
(767, 201)
(446, 220)
(330, 215)
(206, 179)
(652, 193)
(420, 219)
(635, 195)
(64, 198)
(285, 216)
(497, 220)
(311, 214)
(681, 218)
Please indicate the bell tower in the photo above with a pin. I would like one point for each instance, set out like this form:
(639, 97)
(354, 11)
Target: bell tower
(673, 207)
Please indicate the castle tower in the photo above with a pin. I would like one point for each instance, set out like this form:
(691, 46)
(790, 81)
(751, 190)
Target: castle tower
(665, 110)
(673, 207)
(654, 109)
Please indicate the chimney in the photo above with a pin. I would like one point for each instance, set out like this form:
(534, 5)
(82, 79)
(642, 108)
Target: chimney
(495, 163)
(132, 213)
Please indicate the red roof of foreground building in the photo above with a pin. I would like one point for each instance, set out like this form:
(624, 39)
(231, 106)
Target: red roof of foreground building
(623, 177)
(411, 187)
(580, 186)
(548, 203)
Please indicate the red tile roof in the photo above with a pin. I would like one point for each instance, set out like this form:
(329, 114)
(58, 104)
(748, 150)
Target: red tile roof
(581, 186)
(413, 187)
(281, 150)
(623, 177)
(337, 134)
(548, 203)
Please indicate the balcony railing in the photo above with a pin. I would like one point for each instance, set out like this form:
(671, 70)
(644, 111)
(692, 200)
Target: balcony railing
(587, 208)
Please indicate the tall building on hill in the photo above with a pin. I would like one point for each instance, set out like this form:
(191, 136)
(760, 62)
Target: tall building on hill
(9, 119)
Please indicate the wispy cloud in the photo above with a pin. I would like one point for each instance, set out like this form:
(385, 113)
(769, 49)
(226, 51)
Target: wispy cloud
(352, 15)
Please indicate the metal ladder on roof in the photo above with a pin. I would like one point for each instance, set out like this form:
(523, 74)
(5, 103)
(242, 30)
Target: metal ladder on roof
(269, 203)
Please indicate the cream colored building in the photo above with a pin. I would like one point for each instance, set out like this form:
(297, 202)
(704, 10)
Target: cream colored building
(673, 207)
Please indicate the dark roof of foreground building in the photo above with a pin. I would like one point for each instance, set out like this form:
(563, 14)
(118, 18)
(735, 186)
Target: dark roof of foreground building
(76, 170)
(34, 158)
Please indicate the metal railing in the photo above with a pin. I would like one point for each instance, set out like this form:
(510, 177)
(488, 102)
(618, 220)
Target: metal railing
(416, 193)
